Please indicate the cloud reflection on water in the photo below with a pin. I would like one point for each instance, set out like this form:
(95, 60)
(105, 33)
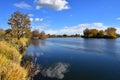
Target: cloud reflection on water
(57, 70)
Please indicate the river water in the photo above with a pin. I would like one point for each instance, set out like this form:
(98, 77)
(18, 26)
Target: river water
(76, 58)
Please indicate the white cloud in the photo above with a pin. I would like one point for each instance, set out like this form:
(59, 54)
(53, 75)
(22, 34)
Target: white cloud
(118, 30)
(40, 27)
(56, 71)
(23, 5)
(118, 18)
(31, 19)
(54, 4)
(36, 19)
(51, 31)
(30, 15)
(79, 29)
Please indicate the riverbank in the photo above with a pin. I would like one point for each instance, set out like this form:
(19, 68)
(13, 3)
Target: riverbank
(11, 64)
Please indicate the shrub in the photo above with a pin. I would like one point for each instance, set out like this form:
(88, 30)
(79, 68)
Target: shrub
(32, 68)
(10, 70)
(23, 41)
(9, 51)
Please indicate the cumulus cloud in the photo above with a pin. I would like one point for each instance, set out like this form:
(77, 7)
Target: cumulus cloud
(78, 28)
(54, 4)
(23, 5)
(56, 71)
(36, 19)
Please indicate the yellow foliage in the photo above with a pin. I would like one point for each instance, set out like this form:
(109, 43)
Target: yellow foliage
(10, 58)
(23, 41)
(9, 51)
(10, 70)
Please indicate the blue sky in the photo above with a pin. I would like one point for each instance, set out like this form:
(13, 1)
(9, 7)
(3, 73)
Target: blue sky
(64, 16)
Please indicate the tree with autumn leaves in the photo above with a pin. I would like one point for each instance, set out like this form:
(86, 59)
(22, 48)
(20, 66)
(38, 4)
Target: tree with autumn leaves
(20, 25)
(36, 34)
(111, 33)
(94, 33)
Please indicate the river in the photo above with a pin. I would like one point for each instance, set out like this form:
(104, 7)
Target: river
(76, 58)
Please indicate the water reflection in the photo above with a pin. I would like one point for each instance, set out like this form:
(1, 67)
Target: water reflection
(38, 43)
(35, 49)
(57, 70)
(34, 52)
(102, 46)
(111, 47)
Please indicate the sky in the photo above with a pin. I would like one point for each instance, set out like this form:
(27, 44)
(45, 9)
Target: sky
(64, 16)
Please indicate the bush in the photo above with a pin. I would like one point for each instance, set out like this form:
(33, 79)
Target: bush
(9, 51)
(10, 70)
(23, 41)
(32, 68)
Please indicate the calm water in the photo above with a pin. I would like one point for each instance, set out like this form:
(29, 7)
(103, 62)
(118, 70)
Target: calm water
(76, 58)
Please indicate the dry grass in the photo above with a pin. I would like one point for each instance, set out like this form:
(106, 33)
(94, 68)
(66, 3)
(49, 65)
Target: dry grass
(10, 59)
(10, 70)
(9, 51)
(22, 41)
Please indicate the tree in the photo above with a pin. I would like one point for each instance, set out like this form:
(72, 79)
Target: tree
(2, 32)
(19, 22)
(8, 31)
(93, 32)
(111, 33)
(42, 35)
(101, 34)
(77, 35)
(64, 35)
(86, 32)
(8, 34)
(35, 34)
(89, 33)
(28, 33)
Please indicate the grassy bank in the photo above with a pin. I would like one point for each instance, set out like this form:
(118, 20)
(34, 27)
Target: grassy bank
(10, 59)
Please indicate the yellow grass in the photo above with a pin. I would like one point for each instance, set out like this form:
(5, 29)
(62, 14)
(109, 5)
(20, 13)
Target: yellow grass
(10, 58)
(22, 41)
(9, 51)
(10, 70)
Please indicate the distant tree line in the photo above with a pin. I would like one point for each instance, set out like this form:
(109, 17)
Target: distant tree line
(62, 35)
(94, 33)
